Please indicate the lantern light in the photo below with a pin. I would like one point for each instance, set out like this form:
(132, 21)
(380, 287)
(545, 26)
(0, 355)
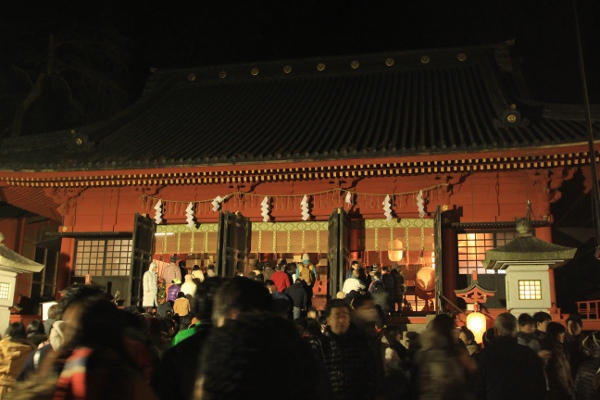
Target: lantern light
(395, 250)
(476, 322)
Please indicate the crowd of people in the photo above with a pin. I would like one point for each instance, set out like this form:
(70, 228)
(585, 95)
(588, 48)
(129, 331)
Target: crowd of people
(243, 338)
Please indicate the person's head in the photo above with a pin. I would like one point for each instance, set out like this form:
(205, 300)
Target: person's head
(211, 267)
(445, 326)
(574, 324)
(196, 267)
(16, 330)
(526, 323)
(180, 295)
(77, 292)
(556, 331)
(392, 334)
(354, 265)
(305, 259)
(270, 285)
(93, 322)
(173, 258)
(176, 281)
(35, 327)
(237, 355)
(205, 295)
(506, 324)
(337, 312)
(239, 295)
(152, 267)
(541, 319)
(298, 281)
(364, 309)
(385, 269)
(466, 335)
(53, 312)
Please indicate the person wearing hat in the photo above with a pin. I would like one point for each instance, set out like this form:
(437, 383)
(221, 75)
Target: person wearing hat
(150, 282)
(306, 271)
(171, 270)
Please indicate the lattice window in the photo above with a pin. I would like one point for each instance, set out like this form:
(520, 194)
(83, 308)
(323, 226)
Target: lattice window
(530, 289)
(472, 248)
(103, 257)
(4, 290)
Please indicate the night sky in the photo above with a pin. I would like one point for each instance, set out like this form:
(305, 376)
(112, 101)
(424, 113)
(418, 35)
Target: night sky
(103, 50)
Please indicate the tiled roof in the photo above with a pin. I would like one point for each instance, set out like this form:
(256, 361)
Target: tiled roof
(378, 105)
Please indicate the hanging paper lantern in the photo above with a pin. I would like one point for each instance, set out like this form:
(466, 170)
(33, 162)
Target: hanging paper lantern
(387, 208)
(476, 322)
(305, 208)
(189, 214)
(395, 250)
(265, 209)
(421, 204)
(158, 212)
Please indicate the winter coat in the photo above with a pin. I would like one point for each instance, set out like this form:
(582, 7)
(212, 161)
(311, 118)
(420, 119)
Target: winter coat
(281, 280)
(298, 295)
(181, 306)
(189, 286)
(381, 298)
(352, 283)
(349, 364)
(12, 357)
(587, 381)
(268, 273)
(175, 375)
(574, 351)
(198, 274)
(171, 272)
(172, 292)
(508, 370)
(440, 374)
(399, 287)
(150, 284)
(559, 374)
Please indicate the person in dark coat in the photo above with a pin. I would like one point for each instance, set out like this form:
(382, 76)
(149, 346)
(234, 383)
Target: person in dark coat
(299, 298)
(176, 374)
(506, 369)
(346, 355)
(560, 380)
(238, 354)
(573, 342)
(587, 381)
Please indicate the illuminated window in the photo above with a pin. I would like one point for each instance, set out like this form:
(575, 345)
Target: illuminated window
(104, 257)
(4, 290)
(472, 248)
(530, 290)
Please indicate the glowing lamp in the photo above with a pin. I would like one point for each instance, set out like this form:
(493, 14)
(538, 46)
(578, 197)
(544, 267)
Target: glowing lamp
(395, 250)
(476, 322)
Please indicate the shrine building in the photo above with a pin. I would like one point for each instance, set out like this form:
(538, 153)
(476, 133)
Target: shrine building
(428, 157)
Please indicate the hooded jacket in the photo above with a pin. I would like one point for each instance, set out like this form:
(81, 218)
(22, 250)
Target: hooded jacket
(12, 357)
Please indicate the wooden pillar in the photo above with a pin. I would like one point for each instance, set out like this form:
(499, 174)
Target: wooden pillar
(449, 264)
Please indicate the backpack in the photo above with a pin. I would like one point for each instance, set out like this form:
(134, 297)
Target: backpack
(307, 274)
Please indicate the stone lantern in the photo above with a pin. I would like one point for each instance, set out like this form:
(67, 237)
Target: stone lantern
(529, 263)
(11, 263)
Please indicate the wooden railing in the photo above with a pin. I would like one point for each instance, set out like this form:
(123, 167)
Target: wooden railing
(589, 309)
